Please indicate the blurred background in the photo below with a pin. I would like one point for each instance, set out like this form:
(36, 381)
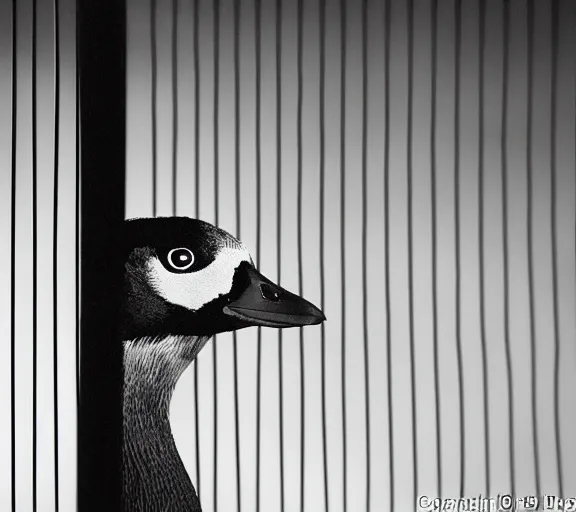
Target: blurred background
(407, 165)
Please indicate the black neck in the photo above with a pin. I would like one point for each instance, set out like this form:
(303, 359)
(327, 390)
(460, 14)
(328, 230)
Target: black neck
(154, 475)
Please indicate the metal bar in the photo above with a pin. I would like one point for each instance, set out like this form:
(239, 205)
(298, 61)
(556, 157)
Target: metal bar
(555, 20)
(505, 276)
(77, 201)
(103, 105)
(55, 240)
(481, 245)
(364, 247)
(343, 41)
(174, 106)
(196, 109)
(409, 169)
(238, 226)
(197, 215)
(216, 111)
(300, 79)
(387, 301)
(34, 256)
(434, 229)
(322, 148)
(529, 239)
(279, 231)
(258, 141)
(457, 57)
(153, 102)
(13, 163)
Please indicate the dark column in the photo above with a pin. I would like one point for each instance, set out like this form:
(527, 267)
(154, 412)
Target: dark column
(101, 44)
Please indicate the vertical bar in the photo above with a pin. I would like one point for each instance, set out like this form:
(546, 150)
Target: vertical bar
(529, 237)
(216, 28)
(322, 106)
(77, 203)
(238, 224)
(236, 62)
(197, 215)
(555, 6)
(279, 231)
(216, 106)
(481, 260)
(174, 106)
(364, 246)
(34, 258)
(300, 15)
(153, 102)
(343, 244)
(434, 228)
(409, 149)
(77, 198)
(196, 110)
(13, 251)
(102, 46)
(389, 404)
(457, 54)
(258, 141)
(55, 239)
(505, 276)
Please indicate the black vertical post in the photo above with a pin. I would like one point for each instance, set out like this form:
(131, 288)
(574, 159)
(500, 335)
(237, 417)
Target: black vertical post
(102, 50)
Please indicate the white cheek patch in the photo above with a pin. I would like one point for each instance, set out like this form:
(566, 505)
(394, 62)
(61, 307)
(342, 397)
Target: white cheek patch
(195, 289)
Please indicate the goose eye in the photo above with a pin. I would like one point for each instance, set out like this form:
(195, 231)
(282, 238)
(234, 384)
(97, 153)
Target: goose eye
(181, 258)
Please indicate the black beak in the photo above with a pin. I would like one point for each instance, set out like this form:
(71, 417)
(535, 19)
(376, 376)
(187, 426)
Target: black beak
(267, 304)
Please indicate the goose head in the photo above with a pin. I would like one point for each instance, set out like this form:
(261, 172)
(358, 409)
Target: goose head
(184, 281)
(187, 277)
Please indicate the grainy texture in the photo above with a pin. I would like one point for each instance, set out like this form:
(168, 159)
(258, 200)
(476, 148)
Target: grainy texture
(154, 475)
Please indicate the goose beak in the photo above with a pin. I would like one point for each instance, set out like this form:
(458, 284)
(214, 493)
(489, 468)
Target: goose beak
(267, 304)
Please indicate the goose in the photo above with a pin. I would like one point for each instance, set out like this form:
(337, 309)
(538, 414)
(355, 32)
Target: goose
(184, 281)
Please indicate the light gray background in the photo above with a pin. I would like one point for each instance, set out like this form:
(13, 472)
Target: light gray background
(139, 203)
